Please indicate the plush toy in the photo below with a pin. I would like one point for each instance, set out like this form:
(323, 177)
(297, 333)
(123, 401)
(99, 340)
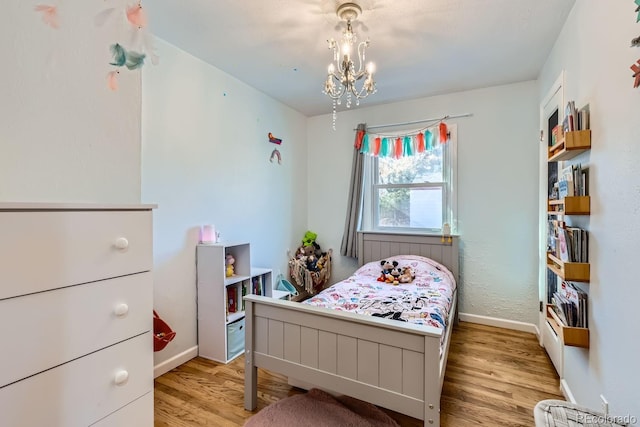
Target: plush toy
(386, 266)
(395, 274)
(407, 275)
(229, 261)
(322, 261)
(316, 250)
(312, 263)
(309, 238)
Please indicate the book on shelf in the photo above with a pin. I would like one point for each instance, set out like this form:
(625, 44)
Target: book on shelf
(556, 135)
(232, 301)
(572, 181)
(575, 119)
(257, 285)
(583, 118)
(244, 292)
(578, 244)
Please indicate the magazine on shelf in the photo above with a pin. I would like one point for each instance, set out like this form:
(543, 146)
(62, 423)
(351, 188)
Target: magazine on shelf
(570, 304)
(563, 249)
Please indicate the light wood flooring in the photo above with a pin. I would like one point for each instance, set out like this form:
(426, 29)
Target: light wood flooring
(492, 374)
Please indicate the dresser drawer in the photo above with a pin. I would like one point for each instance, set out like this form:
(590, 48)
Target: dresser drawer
(43, 330)
(83, 391)
(138, 413)
(47, 250)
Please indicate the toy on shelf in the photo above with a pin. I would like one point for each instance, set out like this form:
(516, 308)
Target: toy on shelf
(229, 261)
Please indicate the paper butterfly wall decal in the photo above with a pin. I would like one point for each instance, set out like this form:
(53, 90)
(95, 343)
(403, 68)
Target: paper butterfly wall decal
(638, 10)
(49, 14)
(137, 16)
(112, 81)
(123, 58)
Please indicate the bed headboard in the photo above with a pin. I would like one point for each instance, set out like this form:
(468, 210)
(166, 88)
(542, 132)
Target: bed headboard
(377, 245)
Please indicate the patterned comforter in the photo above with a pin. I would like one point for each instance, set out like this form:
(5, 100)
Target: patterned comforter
(425, 301)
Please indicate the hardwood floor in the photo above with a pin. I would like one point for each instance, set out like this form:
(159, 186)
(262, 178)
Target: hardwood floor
(492, 374)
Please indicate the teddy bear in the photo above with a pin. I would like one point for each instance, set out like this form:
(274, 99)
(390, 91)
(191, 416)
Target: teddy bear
(407, 275)
(229, 261)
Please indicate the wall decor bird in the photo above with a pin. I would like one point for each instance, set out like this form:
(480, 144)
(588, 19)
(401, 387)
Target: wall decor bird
(636, 73)
(274, 140)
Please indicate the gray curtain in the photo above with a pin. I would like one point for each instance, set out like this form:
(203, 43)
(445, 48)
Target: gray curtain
(349, 245)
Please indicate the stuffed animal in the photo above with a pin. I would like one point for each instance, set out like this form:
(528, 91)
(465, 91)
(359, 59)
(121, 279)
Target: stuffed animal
(312, 263)
(395, 274)
(229, 261)
(407, 275)
(385, 274)
(309, 238)
(322, 260)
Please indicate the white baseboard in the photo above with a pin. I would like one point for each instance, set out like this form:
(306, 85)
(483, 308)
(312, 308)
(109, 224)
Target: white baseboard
(175, 361)
(500, 323)
(566, 391)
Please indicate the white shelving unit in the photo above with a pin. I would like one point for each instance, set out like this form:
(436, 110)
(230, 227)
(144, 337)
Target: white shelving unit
(220, 304)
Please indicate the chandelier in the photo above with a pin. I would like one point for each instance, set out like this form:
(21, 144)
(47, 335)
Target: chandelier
(342, 74)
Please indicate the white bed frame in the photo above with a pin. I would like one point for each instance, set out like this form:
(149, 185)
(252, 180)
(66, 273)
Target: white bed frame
(389, 363)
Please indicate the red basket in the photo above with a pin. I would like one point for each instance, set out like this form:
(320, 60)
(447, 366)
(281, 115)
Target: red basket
(162, 333)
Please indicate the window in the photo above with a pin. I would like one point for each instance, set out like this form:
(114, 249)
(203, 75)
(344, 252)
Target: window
(415, 193)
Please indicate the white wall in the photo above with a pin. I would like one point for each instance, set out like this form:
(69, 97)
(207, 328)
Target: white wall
(497, 186)
(64, 136)
(594, 51)
(205, 160)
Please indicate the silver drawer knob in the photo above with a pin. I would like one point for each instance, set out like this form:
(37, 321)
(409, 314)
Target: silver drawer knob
(121, 377)
(121, 310)
(121, 243)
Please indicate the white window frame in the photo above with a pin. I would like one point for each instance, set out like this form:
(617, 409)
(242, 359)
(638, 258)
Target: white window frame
(449, 191)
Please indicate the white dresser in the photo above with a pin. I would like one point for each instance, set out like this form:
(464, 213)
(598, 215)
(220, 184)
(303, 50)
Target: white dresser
(76, 315)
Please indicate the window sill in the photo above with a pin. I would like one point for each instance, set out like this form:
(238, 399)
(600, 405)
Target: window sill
(407, 233)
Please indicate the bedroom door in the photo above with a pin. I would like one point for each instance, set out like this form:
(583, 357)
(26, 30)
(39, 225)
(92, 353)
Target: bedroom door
(551, 113)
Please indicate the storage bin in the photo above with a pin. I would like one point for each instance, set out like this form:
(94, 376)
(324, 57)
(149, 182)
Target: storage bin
(235, 338)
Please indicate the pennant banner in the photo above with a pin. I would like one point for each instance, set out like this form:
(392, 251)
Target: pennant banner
(403, 145)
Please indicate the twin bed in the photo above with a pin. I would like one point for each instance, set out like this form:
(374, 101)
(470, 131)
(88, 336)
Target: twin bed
(371, 340)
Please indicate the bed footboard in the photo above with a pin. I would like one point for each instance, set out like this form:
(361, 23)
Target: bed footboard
(388, 363)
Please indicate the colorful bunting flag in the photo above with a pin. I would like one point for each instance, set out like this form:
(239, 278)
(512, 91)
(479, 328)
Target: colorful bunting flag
(402, 145)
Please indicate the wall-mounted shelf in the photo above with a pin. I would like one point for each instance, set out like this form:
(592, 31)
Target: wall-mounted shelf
(571, 271)
(572, 205)
(576, 337)
(573, 143)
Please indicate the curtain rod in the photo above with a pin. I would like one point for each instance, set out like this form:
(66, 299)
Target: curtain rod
(419, 121)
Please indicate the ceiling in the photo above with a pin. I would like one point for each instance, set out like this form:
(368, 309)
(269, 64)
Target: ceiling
(420, 47)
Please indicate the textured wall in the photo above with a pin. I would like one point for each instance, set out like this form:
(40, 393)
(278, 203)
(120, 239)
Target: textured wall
(596, 64)
(205, 160)
(64, 136)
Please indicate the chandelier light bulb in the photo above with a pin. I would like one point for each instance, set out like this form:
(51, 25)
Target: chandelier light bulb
(331, 69)
(346, 49)
(371, 67)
